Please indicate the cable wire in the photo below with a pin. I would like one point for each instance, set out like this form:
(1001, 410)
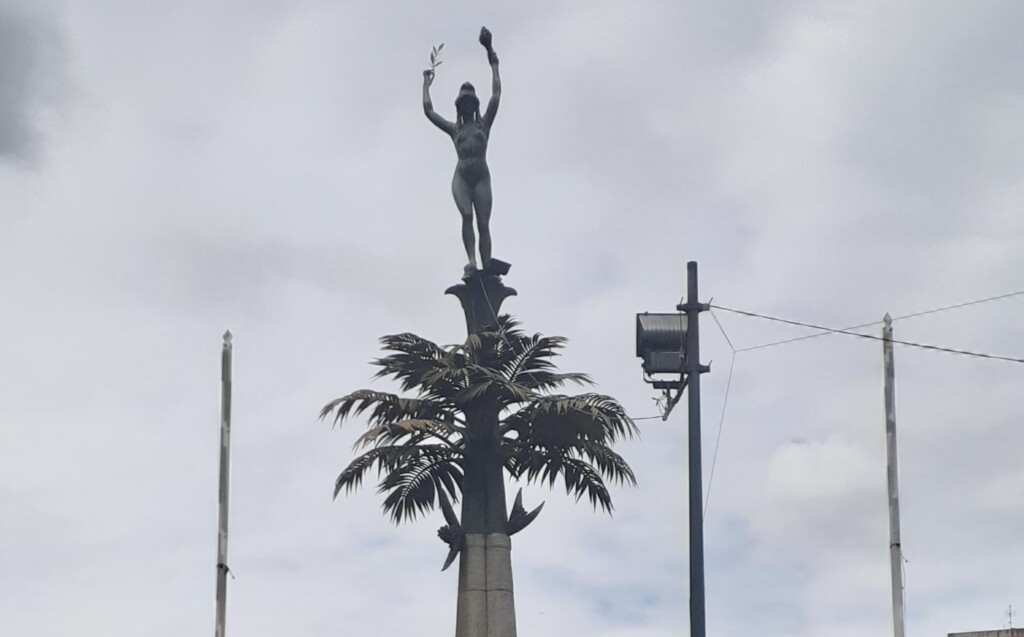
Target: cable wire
(721, 419)
(956, 306)
(949, 350)
(718, 439)
(807, 336)
(998, 297)
(722, 330)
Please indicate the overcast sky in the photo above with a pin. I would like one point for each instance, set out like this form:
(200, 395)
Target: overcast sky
(169, 170)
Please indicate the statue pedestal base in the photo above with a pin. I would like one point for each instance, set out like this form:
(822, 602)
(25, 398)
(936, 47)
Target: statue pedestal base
(481, 294)
(498, 267)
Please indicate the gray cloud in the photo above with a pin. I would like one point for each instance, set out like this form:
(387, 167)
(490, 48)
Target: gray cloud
(31, 70)
(266, 167)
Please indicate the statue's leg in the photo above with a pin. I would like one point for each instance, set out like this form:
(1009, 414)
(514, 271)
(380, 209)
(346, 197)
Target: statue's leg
(482, 202)
(464, 202)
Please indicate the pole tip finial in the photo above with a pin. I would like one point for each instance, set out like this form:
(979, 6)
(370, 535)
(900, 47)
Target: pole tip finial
(227, 337)
(887, 318)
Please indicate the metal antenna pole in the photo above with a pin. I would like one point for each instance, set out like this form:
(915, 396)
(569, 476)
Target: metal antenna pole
(895, 548)
(694, 369)
(225, 462)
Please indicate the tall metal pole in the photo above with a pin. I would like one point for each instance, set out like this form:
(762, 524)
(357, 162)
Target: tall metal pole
(694, 369)
(225, 462)
(895, 548)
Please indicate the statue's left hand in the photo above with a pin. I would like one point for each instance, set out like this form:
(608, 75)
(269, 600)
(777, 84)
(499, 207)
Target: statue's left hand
(485, 38)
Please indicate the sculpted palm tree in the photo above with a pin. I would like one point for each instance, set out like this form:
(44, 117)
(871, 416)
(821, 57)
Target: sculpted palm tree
(480, 410)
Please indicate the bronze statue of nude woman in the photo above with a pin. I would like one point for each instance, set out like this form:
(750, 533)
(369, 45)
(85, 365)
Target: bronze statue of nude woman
(471, 185)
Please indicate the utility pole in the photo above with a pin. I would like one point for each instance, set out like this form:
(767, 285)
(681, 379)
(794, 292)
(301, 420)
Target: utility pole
(693, 307)
(895, 547)
(668, 345)
(225, 462)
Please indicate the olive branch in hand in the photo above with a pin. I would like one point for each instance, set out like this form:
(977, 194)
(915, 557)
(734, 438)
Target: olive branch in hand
(435, 58)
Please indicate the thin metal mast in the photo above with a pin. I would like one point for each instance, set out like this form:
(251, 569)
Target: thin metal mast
(694, 369)
(225, 462)
(895, 547)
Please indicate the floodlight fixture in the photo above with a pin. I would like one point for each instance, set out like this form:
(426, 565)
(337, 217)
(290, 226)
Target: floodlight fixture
(661, 342)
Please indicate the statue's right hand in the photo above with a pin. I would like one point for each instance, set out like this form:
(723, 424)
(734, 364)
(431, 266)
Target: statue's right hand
(428, 77)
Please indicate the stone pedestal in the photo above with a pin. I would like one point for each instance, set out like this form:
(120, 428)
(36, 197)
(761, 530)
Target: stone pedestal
(471, 616)
(501, 607)
(486, 601)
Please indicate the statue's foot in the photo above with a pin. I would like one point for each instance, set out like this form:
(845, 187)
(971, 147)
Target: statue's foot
(468, 271)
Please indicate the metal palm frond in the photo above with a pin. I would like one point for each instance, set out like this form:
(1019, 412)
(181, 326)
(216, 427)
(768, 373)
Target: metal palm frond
(513, 367)
(417, 445)
(413, 475)
(568, 418)
(413, 485)
(411, 430)
(386, 408)
(386, 459)
(422, 365)
(580, 477)
(570, 436)
(531, 364)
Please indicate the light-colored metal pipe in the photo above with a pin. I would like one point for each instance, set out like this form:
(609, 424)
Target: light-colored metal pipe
(895, 546)
(225, 465)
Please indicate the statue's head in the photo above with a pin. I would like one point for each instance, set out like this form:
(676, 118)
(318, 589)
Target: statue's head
(467, 101)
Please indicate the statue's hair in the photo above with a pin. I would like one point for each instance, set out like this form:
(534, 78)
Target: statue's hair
(460, 120)
(466, 93)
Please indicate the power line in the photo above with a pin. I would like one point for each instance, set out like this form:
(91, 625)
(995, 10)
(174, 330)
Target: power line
(960, 305)
(847, 332)
(807, 336)
(873, 323)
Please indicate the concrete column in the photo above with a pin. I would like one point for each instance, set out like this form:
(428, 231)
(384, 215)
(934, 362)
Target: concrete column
(486, 606)
(471, 614)
(501, 610)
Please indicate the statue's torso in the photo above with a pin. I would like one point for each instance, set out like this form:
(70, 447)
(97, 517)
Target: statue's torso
(471, 140)
(471, 147)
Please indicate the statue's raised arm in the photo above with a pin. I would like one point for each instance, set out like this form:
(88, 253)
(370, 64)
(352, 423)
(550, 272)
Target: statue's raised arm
(471, 185)
(428, 107)
(492, 59)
